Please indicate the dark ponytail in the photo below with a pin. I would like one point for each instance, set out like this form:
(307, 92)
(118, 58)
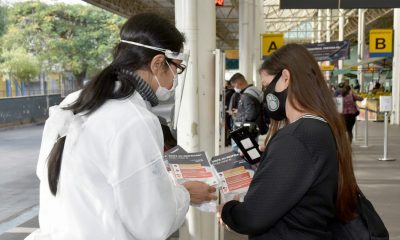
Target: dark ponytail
(54, 164)
(146, 28)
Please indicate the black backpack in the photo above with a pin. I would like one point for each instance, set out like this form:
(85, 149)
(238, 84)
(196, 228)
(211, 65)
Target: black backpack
(367, 226)
(262, 121)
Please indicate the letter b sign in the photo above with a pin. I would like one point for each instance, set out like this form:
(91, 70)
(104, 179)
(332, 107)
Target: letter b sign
(381, 43)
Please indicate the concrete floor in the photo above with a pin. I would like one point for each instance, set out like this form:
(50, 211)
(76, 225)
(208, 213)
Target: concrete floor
(19, 148)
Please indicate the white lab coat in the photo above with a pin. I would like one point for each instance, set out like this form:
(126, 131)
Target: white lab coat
(113, 183)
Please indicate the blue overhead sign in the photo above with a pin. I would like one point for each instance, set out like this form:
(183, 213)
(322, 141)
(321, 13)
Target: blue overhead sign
(329, 51)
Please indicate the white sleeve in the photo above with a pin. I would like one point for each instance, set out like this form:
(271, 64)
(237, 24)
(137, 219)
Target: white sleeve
(145, 196)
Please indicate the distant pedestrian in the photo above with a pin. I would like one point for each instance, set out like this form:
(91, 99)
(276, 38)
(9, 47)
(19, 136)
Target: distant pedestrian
(350, 109)
(249, 105)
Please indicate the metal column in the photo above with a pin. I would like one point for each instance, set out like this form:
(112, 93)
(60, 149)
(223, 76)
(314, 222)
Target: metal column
(319, 33)
(385, 141)
(341, 34)
(361, 45)
(395, 116)
(360, 55)
(328, 36)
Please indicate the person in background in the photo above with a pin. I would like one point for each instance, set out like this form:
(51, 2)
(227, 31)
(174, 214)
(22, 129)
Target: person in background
(350, 110)
(333, 89)
(305, 178)
(228, 93)
(233, 104)
(338, 91)
(248, 107)
(101, 169)
(356, 86)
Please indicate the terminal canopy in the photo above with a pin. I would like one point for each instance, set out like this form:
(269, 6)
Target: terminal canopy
(298, 25)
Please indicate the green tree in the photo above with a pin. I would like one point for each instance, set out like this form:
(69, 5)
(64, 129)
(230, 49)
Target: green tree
(77, 37)
(3, 19)
(20, 66)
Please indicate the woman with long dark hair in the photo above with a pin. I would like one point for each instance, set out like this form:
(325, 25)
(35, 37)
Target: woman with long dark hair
(101, 161)
(305, 179)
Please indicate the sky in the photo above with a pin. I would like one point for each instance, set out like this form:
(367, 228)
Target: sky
(46, 1)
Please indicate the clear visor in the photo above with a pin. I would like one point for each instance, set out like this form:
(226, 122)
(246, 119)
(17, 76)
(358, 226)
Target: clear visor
(180, 89)
(180, 56)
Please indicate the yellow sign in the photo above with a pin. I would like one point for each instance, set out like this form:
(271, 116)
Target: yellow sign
(271, 42)
(380, 42)
(232, 54)
(327, 68)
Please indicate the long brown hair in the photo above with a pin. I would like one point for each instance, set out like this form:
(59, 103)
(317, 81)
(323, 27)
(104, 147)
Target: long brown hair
(309, 90)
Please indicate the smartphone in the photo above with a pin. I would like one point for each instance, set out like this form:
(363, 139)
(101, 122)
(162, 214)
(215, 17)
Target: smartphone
(247, 145)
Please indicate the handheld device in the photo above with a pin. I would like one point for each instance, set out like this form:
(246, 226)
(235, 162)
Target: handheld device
(247, 145)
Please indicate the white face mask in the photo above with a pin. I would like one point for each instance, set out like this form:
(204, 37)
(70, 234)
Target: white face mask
(237, 90)
(163, 94)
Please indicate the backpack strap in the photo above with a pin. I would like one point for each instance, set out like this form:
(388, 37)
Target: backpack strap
(252, 97)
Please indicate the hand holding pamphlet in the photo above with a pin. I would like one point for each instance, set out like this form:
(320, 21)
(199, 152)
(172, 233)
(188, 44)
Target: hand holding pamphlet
(235, 175)
(229, 172)
(185, 167)
(192, 167)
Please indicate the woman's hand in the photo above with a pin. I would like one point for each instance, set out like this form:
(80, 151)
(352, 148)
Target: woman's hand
(200, 192)
(262, 148)
(219, 212)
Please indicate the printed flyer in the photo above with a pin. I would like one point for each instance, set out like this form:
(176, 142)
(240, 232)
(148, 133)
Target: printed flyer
(235, 175)
(191, 167)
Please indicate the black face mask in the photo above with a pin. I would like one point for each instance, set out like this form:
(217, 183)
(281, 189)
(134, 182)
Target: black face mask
(275, 101)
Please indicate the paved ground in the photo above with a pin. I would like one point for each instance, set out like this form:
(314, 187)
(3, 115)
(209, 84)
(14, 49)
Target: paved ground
(379, 180)
(19, 149)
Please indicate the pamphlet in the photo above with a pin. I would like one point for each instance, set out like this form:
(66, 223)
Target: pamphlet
(186, 166)
(191, 167)
(175, 150)
(235, 175)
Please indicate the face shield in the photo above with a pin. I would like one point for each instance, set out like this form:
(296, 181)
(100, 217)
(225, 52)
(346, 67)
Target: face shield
(180, 56)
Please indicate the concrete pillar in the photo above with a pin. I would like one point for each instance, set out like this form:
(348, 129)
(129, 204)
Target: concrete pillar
(258, 23)
(341, 34)
(206, 74)
(361, 45)
(246, 35)
(188, 129)
(395, 117)
(197, 20)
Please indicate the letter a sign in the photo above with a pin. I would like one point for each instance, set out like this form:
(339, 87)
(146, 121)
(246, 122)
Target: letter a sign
(271, 42)
(381, 43)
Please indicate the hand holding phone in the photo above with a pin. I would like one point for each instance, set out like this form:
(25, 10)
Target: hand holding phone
(247, 145)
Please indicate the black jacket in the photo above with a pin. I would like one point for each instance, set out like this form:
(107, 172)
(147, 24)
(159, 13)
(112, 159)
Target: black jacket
(248, 110)
(293, 192)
